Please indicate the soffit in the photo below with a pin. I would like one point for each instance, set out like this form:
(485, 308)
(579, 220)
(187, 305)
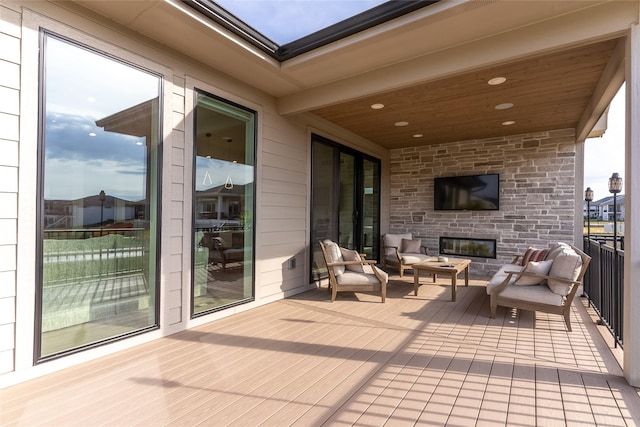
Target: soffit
(441, 94)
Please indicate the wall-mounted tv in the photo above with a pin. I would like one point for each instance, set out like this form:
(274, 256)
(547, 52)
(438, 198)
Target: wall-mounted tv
(470, 192)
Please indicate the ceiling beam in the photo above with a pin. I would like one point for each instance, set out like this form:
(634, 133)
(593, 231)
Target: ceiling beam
(582, 27)
(609, 84)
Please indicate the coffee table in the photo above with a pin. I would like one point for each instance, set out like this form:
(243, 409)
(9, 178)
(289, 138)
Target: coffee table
(451, 267)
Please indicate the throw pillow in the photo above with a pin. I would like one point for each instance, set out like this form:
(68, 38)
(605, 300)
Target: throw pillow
(533, 254)
(535, 267)
(333, 251)
(567, 265)
(412, 246)
(350, 255)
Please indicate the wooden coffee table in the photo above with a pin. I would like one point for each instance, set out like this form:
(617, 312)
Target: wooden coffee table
(452, 267)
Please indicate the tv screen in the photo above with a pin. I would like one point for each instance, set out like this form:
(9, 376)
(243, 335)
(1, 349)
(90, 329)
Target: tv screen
(471, 192)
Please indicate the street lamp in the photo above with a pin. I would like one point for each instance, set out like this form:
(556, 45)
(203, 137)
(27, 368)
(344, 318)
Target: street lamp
(588, 197)
(615, 186)
(102, 196)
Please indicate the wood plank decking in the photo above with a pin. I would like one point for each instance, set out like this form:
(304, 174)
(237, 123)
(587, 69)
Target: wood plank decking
(304, 361)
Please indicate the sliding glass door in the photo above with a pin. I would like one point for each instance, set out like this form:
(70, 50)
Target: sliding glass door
(345, 200)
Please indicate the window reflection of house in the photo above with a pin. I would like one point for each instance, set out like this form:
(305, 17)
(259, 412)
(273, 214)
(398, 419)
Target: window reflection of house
(220, 207)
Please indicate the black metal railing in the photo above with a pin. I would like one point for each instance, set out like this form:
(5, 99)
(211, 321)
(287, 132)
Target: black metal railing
(604, 284)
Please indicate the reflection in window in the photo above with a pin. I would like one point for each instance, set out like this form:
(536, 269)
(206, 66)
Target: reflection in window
(223, 205)
(99, 188)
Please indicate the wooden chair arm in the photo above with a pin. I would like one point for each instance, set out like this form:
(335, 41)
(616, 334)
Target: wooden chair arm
(361, 262)
(561, 279)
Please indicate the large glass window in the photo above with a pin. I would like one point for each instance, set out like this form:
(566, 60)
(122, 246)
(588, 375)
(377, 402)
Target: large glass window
(224, 155)
(99, 197)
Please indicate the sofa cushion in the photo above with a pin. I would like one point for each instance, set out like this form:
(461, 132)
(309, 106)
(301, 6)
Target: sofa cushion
(536, 294)
(351, 255)
(334, 253)
(410, 246)
(533, 254)
(535, 267)
(392, 241)
(567, 265)
(555, 249)
(501, 275)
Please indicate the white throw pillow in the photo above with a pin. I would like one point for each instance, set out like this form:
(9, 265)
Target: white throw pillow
(567, 265)
(333, 250)
(535, 267)
(350, 255)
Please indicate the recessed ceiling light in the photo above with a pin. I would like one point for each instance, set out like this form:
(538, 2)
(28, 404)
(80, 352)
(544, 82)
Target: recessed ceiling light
(508, 123)
(504, 106)
(418, 135)
(139, 142)
(401, 123)
(497, 81)
(377, 106)
(92, 134)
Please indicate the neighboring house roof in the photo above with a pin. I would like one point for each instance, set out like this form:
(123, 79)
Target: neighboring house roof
(609, 200)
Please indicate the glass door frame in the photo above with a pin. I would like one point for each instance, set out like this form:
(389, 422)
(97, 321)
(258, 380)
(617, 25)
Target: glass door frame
(358, 190)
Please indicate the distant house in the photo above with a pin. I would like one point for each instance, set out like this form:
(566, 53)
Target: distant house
(603, 208)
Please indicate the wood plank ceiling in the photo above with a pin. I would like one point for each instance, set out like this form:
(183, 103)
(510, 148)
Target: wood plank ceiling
(547, 92)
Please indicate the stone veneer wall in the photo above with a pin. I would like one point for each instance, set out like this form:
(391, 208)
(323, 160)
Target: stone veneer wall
(537, 192)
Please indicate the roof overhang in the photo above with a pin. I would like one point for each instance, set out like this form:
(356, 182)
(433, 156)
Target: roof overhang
(447, 47)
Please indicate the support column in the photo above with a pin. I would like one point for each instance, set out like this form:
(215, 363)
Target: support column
(631, 321)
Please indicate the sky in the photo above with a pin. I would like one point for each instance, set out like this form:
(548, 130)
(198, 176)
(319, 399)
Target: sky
(605, 155)
(303, 17)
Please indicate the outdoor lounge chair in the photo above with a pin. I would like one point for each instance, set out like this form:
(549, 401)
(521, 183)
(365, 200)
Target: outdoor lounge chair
(349, 271)
(540, 280)
(400, 251)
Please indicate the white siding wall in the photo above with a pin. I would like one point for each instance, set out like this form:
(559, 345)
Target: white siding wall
(9, 136)
(282, 169)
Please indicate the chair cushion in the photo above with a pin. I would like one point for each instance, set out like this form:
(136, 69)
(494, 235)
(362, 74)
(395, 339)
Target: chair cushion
(354, 278)
(394, 240)
(410, 246)
(351, 255)
(533, 254)
(335, 255)
(535, 267)
(500, 275)
(408, 259)
(537, 293)
(567, 265)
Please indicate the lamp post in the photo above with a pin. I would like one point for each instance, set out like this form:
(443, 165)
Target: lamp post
(102, 196)
(615, 186)
(588, 197)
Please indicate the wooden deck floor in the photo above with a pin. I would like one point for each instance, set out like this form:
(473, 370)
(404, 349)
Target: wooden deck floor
(305, 361)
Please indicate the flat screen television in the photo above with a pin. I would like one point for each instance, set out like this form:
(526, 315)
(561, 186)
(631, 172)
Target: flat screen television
(470, 192)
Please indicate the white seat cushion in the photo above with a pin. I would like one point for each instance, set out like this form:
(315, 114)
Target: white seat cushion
(408, 259)
(353, 278)
(536, 294)
(501, 275)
